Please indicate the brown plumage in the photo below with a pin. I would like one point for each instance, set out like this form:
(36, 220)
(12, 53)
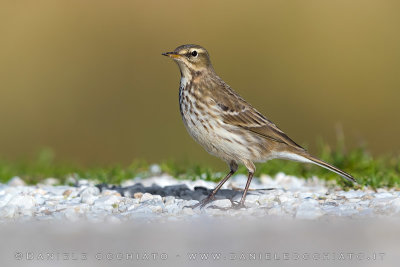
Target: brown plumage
(226, 125)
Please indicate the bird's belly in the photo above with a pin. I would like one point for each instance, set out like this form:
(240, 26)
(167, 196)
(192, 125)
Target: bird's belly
(218, 139)
(198, 126)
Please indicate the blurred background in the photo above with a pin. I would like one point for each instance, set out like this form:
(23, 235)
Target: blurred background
(87, 79)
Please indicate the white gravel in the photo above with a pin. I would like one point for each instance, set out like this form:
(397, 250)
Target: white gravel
(163, 198)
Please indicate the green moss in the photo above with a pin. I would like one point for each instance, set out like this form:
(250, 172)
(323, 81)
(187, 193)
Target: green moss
(381, 171)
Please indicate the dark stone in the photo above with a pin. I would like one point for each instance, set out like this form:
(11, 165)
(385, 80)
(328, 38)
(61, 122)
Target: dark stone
(178, 191)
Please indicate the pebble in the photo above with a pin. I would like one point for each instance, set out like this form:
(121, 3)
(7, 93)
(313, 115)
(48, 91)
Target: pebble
(16, 181)
(352, 194)
(91, 190)
(384, 195)
(165, 198)
(50, 181)
(222, 203)
(4, 199)
(146, 197)
(107, 202)
(188, 211)
(7, 212)
(67, 192)
(89, 195)
(24, 202)
(89, 199)
(138, 195)
(251, 198)
(155, 169)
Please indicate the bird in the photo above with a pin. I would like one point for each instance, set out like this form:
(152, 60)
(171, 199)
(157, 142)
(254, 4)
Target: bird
(226, 125)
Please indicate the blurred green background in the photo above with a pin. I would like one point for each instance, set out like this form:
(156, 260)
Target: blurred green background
(87, 79)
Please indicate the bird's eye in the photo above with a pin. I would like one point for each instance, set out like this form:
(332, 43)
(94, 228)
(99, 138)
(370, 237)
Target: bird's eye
(194, 53)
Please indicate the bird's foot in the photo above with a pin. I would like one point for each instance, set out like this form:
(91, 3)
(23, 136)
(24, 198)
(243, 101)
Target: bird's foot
(201, 203)
(238, 205)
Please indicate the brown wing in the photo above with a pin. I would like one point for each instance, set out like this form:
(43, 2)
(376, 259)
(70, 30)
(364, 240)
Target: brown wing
(236, 111)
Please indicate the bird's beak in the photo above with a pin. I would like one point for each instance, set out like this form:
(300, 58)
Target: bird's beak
(171, 55)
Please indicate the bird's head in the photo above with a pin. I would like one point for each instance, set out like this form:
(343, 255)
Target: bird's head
(191, 59)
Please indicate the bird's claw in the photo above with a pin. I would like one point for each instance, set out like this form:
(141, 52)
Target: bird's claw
(201, 203)
(238, 205)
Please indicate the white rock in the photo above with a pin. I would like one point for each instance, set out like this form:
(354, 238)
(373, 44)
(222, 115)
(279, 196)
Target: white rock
(157, 198)
(132, 206)
(214, 212)
(89, 199)
(285, 198)
(276, 210)
(122, 207)
(24, 202)
(71, 180)
(89, 195)
(173, 209)
(182, 203)
(83, 182)
(40, 200)
(50, 181)
(141, 210)
(306, 195)
(127, 183)
(168, 200)
(380, 203)
(145, 197)
(188, 211)
(364, 203)
(156, 209)
(91, 190)
(155, 169)
(161, 180)
(383, 195)
(107, 200)
(4, 199)
(222, 203)
(7, 211)
(110, 192)
(40, 191)
(250, 198)
(347, 211)
(266, 198)
(352, 194)
(16, 181)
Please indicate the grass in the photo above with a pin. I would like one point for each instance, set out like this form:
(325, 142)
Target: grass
(381, 171)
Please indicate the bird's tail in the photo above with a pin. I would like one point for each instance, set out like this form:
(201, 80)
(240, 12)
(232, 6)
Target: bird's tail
(327, 166)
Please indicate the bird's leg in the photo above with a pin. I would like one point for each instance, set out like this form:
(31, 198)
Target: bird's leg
(211, 196)
(241, 203)
(251, 168)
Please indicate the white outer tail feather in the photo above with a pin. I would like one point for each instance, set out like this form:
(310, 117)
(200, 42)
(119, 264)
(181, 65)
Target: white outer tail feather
(309, 159)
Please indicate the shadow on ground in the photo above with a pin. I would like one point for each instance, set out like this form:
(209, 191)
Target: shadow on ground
(178, 191)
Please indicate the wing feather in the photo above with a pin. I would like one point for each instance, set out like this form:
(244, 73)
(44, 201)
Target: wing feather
(236, 111)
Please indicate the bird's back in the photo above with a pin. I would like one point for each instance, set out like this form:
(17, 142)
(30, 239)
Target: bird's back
(235, 110)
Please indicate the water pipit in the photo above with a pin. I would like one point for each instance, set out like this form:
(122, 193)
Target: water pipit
(226, 125)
